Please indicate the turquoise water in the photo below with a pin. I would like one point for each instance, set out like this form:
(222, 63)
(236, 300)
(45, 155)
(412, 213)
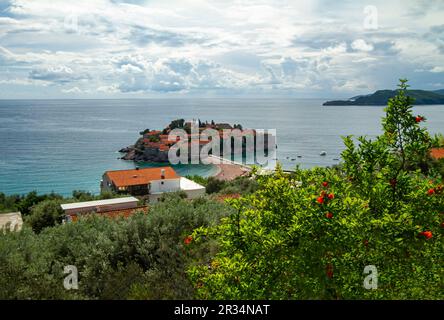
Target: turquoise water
(62, 145)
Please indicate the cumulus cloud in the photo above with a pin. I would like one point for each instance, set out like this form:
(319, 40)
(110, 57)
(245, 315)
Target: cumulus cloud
(361, 45)
(139, 73)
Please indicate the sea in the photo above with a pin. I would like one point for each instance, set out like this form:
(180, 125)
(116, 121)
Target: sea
(65, 145)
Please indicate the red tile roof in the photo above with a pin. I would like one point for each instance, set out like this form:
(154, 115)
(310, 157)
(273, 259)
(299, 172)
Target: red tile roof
(134, 177)
(223, 197)
(437, 153)
(154, 132)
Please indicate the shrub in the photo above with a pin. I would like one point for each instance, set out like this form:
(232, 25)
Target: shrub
(47, 213)
(80, 195)
(214, 185)
(142, 257)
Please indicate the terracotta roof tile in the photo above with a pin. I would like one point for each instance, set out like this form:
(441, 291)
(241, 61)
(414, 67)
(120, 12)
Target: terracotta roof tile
(437, 153)
(134, 177)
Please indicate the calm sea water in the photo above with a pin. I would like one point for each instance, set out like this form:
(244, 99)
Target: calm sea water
(63, 145)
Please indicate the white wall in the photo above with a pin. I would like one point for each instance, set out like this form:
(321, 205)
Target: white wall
(101, 208)
(169, 185)
(193, 194)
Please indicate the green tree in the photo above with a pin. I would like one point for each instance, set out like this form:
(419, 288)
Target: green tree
(309, 235)
(45, 214)
(80, 195)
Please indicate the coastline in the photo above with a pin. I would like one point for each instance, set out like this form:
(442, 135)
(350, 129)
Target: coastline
(230, 171)
(227, 170)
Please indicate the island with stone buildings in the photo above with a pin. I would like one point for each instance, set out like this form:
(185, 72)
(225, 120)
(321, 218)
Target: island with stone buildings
(154, 145)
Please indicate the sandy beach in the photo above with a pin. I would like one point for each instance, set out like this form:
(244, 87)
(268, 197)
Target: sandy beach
(228, 170)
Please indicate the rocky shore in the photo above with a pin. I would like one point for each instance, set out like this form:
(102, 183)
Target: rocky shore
(144, 154)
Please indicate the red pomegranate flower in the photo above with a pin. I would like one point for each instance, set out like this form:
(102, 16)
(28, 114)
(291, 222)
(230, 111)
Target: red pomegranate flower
(325, 184)
(329, 215)
(427, 234)
(431, 192)
(365, 242)
(331, 196)
(418, 119)
(393, 182)
(188, 240)
(320, 200)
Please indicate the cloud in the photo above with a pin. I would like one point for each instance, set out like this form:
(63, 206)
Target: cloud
(60, 74)
(6, 56)
(139, 74)
(361, 45)
(336, 49)
(437, 69)
(72, 90)
(144, 36)
(120, 48)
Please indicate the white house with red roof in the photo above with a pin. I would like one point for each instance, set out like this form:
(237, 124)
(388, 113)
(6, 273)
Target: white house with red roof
(151, 182)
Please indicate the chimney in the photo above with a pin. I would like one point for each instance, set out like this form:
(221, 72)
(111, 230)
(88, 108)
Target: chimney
(137, 168)
(162, 174)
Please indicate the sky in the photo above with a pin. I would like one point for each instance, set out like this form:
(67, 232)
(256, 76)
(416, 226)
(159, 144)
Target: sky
(136, 49)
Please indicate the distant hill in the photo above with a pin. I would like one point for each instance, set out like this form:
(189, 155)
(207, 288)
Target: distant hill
(381, 97)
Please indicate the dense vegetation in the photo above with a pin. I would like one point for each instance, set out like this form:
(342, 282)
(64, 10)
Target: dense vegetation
(240, 185)
(309, 234)
(42, 211)
(142, 257)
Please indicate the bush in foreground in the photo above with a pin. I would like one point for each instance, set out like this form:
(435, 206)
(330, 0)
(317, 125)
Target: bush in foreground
(142, 257)
(311, 234)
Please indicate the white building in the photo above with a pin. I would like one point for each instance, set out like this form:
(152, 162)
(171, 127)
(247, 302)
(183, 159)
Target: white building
(11, 221)
(152, 182)
(100, 205)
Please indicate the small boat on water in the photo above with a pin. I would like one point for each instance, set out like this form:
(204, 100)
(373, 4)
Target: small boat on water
(293, 159)
(323, 153)
(299, 156)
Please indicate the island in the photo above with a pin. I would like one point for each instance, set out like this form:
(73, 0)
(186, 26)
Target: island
(381, 97)
(153, 145)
